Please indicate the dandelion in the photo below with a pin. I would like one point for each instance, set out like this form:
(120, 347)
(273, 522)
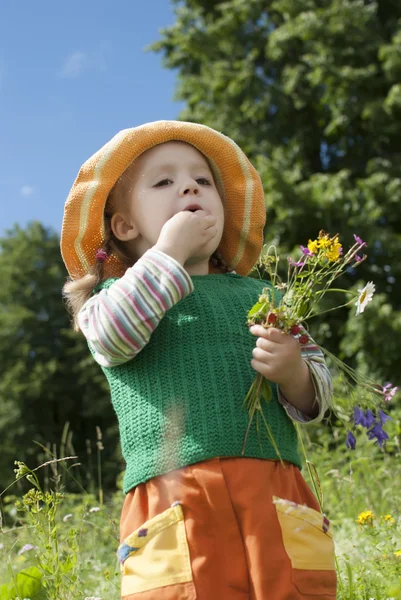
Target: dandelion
(366, 517)
(365, 296)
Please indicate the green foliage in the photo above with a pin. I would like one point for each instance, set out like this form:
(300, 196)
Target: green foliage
(61, 544)
(366, 479)
(351, 483)
(310, 90)
(48, 377)
(25, 584)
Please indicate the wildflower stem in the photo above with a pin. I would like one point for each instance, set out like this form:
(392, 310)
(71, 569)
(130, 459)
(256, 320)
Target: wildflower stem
(323, 312)
(312, 474)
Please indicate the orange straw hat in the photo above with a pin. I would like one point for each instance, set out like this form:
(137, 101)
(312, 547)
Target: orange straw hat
(83, 230)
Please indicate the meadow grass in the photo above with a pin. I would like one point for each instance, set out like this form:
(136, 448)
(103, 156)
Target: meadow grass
(67, 547)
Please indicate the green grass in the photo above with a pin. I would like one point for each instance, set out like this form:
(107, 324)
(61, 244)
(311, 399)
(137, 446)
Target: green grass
(353, 482)
(77, 545)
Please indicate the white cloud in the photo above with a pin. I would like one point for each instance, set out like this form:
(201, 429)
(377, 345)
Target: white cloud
(74, 64)
(77, 62)
(27, 191)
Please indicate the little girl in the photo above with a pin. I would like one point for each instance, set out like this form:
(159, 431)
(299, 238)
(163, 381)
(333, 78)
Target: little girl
(160, 230)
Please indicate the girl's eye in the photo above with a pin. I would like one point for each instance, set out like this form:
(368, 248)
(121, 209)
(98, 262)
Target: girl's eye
(163, 182)
(203, 181)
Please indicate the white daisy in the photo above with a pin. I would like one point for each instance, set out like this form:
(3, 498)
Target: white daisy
(365, 296)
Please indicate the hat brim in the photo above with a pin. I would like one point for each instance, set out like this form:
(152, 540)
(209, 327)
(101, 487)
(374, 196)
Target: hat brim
(244, 206)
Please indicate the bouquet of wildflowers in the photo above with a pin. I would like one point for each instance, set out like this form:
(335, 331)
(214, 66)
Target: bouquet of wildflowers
(287, 305)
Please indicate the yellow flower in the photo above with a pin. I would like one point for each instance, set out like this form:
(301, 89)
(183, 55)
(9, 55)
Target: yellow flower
(365, 517)
(313, 246)
(334, 251)
(389, 519)
(397, 553)
(324, 242)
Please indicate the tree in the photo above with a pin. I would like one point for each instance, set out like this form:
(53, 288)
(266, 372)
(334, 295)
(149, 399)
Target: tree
(311, 91)
(48, 377)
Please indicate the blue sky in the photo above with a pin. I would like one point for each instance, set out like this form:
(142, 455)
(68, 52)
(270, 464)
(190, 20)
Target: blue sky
(72, 74)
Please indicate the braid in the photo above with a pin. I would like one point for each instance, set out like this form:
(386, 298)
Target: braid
(219, 263)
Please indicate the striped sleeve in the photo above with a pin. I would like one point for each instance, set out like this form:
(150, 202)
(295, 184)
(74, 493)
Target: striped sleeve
(321, 379)
(118, 321)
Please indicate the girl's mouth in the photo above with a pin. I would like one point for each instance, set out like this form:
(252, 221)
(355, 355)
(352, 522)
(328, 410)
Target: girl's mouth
(193, 207)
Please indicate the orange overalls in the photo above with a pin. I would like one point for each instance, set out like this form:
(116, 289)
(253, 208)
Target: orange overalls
(226, 529)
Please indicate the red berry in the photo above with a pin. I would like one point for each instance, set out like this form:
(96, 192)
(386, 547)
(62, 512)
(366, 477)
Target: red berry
(295, 329)
(272, 318)
(304, 339)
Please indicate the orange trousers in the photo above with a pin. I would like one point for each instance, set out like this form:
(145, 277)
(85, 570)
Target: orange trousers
(226, 529)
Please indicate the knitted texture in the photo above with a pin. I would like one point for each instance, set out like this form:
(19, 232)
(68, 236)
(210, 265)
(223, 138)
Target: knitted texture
(83, 229)
(180, 400)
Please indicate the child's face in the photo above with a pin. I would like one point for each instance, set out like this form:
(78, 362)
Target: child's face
(167, 179)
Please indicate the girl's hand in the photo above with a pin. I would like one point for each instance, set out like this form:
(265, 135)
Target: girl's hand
(278, 358)
(186, 234)
(277, 355)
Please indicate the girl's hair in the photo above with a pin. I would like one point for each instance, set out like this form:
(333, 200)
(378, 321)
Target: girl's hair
(77, 292)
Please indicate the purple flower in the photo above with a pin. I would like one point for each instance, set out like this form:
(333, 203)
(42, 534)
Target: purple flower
(26, 548)
(358, 258)
(383, 416)
(300, 263)
(370, 419)
(351, 441)
(378, 433)
(389, 392)
(359, 241)
(359, 416)
(306, 251)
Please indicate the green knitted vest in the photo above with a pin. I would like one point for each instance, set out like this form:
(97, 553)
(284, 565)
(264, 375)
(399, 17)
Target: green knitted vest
(180, 400)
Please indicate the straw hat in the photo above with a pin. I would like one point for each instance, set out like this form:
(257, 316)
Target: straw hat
(244, 206)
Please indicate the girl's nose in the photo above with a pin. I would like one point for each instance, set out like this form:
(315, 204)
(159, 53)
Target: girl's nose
(187, 190)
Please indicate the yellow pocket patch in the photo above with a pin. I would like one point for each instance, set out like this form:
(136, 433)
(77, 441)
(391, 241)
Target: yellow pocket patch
(156, 554)
(307, 536)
